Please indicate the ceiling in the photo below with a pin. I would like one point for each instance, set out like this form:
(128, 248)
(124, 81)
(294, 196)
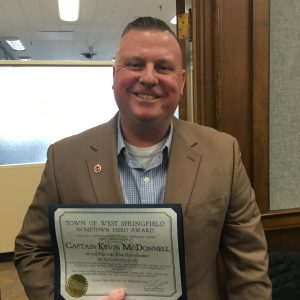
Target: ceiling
(36, 23)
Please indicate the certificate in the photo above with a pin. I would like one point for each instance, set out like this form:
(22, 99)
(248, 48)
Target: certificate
(100, 248)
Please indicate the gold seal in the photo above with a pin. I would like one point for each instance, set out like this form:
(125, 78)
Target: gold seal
(77, 285)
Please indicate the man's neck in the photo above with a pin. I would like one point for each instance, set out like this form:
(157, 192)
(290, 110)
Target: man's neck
(144, 135)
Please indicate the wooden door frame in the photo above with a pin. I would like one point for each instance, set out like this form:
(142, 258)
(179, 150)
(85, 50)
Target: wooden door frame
(228, 36)
(223, 70)
(282, 227)
(180, 9)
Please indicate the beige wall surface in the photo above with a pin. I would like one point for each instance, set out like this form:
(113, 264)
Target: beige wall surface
(17, 187)
(284, 104)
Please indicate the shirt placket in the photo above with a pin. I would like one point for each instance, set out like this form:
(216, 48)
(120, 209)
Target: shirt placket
(148, 181)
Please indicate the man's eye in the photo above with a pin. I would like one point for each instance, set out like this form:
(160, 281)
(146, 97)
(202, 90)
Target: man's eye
(134, 66)
(164, 68)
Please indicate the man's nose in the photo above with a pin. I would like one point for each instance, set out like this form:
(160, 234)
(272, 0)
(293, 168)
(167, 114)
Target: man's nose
(149, 76)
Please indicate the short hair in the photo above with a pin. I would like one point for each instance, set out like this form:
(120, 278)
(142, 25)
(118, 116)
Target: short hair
(147, 24)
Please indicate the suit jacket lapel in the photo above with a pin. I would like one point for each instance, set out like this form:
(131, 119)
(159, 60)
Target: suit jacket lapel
(184, 162)
(103, 165)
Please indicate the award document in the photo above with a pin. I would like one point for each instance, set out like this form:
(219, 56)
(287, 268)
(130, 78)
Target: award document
(100, 248)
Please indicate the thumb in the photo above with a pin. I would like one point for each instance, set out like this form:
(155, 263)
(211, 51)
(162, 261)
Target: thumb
(116, 295)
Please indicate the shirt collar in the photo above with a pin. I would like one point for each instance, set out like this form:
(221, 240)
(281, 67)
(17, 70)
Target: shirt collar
(121, 143)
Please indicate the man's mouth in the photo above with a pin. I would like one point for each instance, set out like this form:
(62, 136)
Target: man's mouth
(146, 96)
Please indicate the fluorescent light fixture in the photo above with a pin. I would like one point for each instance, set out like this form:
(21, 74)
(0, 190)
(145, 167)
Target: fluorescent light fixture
(174, 20)
(15, 44)
(69, 10)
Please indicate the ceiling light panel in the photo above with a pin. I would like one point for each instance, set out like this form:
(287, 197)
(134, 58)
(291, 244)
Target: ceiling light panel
(15, 45)
(69, 10)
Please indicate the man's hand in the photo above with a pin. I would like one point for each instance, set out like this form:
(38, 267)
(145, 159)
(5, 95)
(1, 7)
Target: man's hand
(116, 295)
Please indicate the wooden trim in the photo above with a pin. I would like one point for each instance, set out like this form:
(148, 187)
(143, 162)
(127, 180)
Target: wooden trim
(180, 9)
(261, 66)
(218, 65)
(234, 100)
(282, 229)
(204, 106)
(281, 219)
(231, 52)
(222, 53)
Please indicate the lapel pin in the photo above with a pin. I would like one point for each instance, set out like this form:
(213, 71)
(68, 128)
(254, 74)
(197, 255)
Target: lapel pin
(97, 168)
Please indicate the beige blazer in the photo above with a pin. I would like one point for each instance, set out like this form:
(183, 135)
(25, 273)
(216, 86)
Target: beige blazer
(205, 174)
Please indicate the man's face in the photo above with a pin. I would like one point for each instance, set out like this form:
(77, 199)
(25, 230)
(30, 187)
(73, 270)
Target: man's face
(148, 76)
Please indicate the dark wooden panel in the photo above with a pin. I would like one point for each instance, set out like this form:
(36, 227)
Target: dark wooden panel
(283, 240)
(204, 61)
(222, 39)
(281, 219)
(282, 229)
(231, 71)
(261, 66)
(235, 94)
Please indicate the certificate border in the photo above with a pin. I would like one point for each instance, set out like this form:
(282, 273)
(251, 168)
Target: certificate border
(175, 207)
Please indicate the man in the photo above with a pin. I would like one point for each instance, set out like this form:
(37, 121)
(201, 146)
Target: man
(184, 163)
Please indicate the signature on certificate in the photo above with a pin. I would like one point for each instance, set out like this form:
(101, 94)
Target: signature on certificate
(155, 285)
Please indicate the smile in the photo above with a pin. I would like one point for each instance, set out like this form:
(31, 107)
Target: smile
(146, 96)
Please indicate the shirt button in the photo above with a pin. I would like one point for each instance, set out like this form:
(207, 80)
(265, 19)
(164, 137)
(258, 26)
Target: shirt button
(146, 179)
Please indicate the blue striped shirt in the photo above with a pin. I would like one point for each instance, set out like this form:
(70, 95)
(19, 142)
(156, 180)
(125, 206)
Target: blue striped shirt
(139, 185)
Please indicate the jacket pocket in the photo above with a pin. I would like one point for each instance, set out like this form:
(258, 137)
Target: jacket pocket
(207, 207)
